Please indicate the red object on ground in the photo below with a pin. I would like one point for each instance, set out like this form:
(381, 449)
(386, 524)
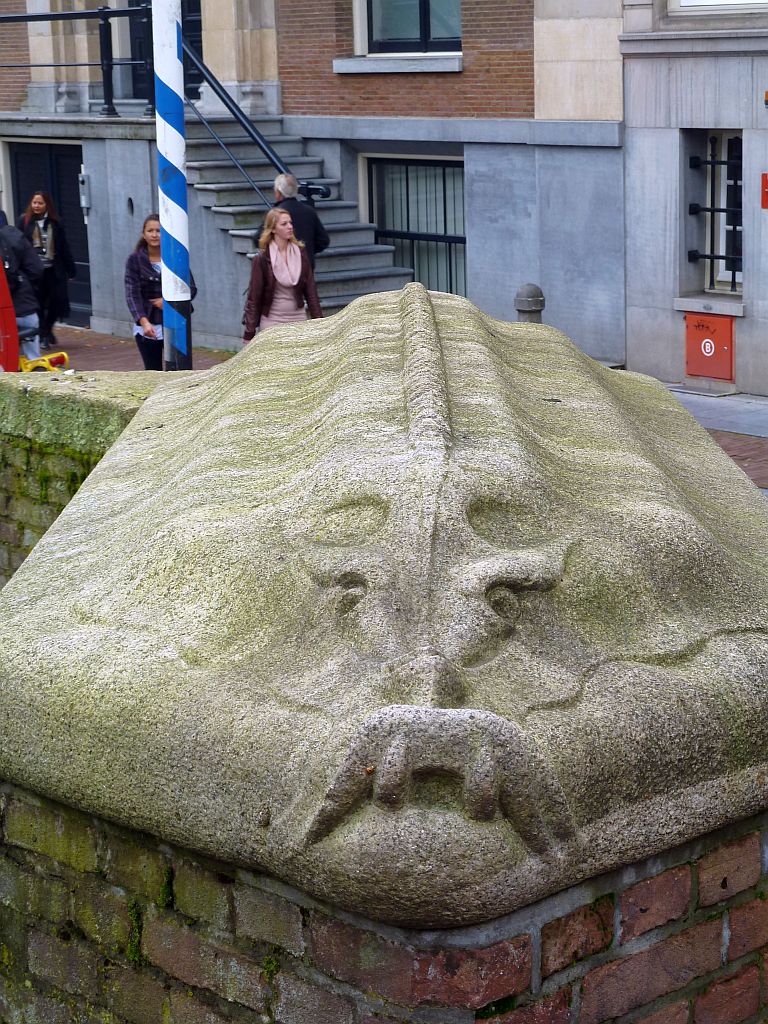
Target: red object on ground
(709, 346)
(9, 336)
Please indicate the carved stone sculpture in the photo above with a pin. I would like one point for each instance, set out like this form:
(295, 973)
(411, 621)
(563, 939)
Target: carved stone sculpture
(425, 613)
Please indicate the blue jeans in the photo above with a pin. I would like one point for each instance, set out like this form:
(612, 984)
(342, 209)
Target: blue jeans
(30, 348)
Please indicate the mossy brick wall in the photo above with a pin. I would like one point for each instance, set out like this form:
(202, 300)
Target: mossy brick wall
(53, 430)
(101, 925)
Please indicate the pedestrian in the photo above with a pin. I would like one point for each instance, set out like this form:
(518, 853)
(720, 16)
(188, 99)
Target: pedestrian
(144, 293)
(23, 270)
(41, 225)
(307, 226)
(3, 219)
(281, 279)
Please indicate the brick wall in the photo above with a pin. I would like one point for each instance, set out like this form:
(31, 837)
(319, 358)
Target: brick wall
(53, 431)
(100, 924)
(496, 81)
(14, 49)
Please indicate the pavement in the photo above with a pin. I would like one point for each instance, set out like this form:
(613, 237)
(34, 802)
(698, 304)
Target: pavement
(739, 423)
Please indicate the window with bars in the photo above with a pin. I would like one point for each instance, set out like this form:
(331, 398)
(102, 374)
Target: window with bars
(718, 202)
(418, 206)
(405, 26)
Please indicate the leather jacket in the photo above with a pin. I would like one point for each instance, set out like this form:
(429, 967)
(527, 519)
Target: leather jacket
(261, 292)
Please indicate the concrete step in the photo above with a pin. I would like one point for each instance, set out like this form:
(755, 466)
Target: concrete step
(363, 280)
(248, 216)
(333, 303)
(268, 126)
(208, 149)
(223, 171)
(352, 257)
(342, 235)
(240, 194)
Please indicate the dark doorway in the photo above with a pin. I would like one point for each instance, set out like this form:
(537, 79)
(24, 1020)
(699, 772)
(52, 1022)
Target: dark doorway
(192, 28)
(54, 169)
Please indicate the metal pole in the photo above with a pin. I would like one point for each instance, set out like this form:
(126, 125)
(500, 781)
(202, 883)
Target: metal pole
(145, 24)
(105, 48)
(172, 184)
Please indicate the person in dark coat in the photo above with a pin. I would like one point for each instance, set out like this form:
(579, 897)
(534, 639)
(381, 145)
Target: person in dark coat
(3, 219)
(144, 293)
(307, 226)
(41, 225)
(29, 271)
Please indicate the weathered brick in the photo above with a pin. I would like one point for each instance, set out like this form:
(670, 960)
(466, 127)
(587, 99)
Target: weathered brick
(473, 977)
(729, 869)
(141, 870)
(63, 835)
(677, 1013)
(749, 928)
(102, 914)
(554, 1009)
(13, 941)
(362, 958)
(33, 893)
(202, 895)
(134, 995)
(31, 1007)
(452, 977)
(186, 1009)
(622, 985)
(263, 917)
(301, 1002)
(71, 966)
(655, 901)
(10, 533)
(31, 512)
(729, 1001)
(183, 954)
(584, 932)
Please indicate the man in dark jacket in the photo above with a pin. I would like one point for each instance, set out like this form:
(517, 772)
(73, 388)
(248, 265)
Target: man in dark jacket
(307, 226)
(23, 268)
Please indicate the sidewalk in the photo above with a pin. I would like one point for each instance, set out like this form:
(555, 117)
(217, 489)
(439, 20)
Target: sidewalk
(739, 423)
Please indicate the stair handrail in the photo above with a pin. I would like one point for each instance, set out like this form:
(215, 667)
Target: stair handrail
(308, 189)
(217, 138)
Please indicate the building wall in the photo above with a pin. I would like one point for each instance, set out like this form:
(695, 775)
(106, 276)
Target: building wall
(677, 86)
(14, 49)
(577, 60)
(496, 79)
(101, 922)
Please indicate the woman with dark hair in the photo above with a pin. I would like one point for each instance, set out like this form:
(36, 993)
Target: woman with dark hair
(40, 223)
(144, 293)
(281, 279)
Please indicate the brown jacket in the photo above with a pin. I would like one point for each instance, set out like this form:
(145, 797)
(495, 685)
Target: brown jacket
(261, 292)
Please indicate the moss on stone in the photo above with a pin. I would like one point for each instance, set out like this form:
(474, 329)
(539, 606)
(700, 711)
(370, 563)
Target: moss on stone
(133, 946)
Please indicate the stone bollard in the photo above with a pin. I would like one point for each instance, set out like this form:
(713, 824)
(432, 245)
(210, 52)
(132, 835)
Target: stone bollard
(529, 302)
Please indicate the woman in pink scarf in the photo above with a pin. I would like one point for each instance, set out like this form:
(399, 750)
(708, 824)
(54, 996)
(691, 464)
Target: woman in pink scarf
(281, 279)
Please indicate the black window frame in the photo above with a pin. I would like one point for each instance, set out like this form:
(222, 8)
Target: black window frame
(424, 44)
(455, 245)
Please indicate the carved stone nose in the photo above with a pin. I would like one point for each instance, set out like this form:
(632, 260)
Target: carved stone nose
(431, 679)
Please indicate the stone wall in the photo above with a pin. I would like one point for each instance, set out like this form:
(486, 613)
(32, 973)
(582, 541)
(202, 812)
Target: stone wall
(54, 428)
(100, 924)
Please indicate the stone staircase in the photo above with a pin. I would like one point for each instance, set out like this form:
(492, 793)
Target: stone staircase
(353, 265)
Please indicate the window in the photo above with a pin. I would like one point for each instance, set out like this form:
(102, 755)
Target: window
(718, 210)
(413, 26)
(715, 6)
(418, 206)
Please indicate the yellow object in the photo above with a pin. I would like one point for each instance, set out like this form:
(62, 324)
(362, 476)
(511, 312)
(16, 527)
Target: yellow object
(52, 362)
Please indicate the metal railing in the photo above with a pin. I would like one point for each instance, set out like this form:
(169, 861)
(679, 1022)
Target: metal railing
(107, 62)
(732, 214)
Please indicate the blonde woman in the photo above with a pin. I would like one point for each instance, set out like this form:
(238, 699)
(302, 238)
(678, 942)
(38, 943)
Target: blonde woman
(281, 279)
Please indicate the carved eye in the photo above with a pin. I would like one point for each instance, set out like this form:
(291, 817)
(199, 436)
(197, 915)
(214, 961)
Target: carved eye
(503, 600)
(351, 588)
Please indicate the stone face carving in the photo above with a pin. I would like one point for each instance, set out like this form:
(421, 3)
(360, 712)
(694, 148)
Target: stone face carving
(427, 614)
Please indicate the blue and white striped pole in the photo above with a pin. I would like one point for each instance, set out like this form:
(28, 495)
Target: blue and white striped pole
(172, 183)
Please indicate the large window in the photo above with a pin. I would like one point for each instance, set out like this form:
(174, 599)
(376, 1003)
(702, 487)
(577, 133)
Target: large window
(418, 206)
(405, 26)
(717, 189)
(715, 6)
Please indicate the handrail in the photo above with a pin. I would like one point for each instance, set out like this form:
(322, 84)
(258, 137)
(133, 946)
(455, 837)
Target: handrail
(306, 188)
(217, 138)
